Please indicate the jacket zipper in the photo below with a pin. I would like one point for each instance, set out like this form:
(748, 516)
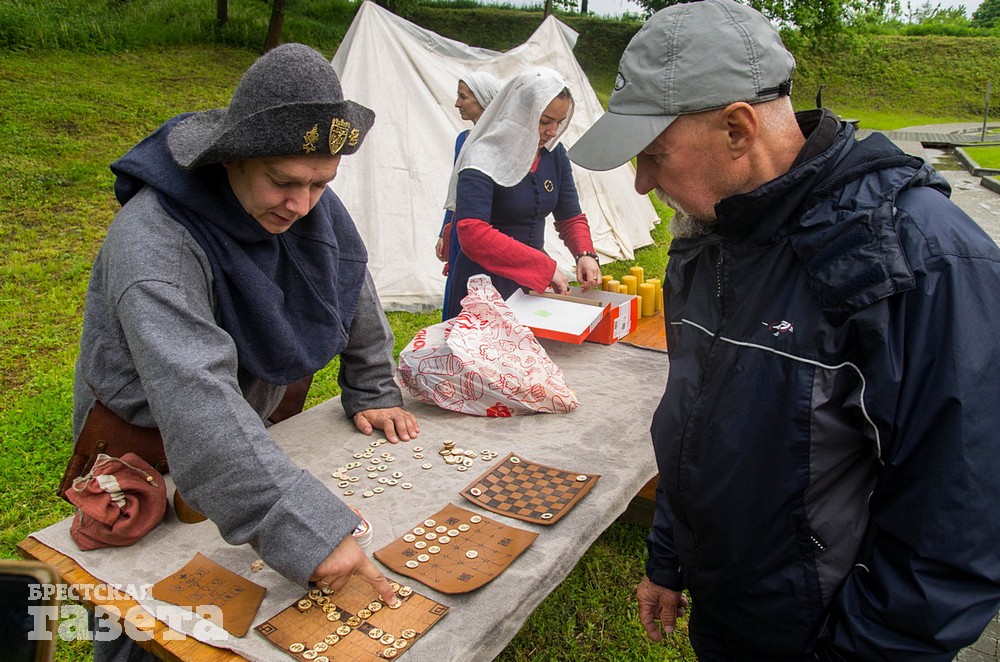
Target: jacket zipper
(719, 282)
(719, 289)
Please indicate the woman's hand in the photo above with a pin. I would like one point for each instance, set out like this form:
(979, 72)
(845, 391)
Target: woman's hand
(560, 284)
(348, 559)
(395, 422)
(588, 273)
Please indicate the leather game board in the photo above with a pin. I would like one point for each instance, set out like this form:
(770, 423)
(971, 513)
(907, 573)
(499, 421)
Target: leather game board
(352, 624)
(455, 550)
(533, 492)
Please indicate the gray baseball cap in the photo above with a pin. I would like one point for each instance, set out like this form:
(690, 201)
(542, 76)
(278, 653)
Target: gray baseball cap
(685, 59)
(288, 103)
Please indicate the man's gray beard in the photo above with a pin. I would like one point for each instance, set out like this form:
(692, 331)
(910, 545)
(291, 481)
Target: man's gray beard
(682, 225)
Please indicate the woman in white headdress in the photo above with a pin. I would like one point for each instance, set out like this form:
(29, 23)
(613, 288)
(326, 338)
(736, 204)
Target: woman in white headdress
(510, 175)
(476, 90)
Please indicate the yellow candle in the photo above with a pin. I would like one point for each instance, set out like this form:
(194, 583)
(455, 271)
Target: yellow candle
(658, 295)
(613, 286)
(630, 282)
(622, 289)
(647, 292)
(605, 279)
(638, 272)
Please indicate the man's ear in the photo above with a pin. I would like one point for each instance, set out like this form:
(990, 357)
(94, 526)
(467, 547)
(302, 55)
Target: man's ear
(742, 125)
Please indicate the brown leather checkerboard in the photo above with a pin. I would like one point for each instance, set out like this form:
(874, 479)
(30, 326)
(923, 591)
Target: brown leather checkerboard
(529, 491)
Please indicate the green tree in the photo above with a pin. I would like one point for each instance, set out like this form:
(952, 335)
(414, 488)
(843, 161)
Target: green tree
(814, 18)
(987, 15)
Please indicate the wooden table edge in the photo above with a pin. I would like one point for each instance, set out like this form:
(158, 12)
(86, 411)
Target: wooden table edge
(183, 649)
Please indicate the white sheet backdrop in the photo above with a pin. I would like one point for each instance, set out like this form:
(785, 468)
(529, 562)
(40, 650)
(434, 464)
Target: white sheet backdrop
(395, 186)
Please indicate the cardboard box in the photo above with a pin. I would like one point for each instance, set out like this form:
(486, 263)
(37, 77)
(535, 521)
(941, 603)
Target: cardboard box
(621, 315)
(596, 316)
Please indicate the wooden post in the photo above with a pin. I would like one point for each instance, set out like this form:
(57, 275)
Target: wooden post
(221, 12)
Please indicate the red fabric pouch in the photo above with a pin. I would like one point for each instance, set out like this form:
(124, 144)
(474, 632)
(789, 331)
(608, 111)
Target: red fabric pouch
(117, 502)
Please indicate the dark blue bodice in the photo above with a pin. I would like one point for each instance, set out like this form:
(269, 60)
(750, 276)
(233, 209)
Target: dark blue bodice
(518, 211)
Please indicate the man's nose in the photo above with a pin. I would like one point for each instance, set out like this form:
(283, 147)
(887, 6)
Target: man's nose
(644, 179)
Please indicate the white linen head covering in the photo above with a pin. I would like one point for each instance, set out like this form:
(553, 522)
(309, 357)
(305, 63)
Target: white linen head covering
(504, 142)
(483, 85)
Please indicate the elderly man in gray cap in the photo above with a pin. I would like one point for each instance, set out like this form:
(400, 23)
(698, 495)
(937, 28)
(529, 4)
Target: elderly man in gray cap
(827, 440)
(232, 271)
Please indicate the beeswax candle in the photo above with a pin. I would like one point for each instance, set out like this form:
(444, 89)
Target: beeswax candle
(638, 272)
(658, 295)
(647, 292)
(630, 283)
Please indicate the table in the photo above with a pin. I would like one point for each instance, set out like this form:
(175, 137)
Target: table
(481, 623)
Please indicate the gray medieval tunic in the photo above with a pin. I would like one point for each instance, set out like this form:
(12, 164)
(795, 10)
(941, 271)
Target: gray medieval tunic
(153, 352)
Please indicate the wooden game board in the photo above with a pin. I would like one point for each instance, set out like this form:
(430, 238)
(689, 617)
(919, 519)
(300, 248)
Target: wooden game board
(352, 625)
(529, 491)
(455, 550)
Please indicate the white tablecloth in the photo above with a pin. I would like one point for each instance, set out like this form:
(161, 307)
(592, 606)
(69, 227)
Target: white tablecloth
(618, 387)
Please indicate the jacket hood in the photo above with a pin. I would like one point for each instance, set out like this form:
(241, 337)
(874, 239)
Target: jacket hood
(763, 213)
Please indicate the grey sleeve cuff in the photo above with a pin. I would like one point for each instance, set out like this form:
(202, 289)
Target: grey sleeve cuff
(309, 514)
(367, 367)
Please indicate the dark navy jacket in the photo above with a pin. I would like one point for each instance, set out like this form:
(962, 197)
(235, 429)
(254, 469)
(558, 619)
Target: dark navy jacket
(829, 438)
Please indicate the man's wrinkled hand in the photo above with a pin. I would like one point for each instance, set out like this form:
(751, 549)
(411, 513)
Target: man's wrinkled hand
(657, 603)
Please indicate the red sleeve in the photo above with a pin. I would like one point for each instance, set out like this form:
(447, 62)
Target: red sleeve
(575, 233)
(505, 256)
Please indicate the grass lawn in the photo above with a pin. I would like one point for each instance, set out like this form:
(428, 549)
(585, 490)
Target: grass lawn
(986, 156)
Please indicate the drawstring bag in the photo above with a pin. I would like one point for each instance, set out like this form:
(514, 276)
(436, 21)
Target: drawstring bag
(483, 362)
(117, 502)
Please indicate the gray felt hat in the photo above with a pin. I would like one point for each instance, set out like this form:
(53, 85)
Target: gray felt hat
(685, 59)
(288, 103)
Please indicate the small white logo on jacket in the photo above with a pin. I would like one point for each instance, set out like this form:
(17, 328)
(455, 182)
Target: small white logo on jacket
(779, 327)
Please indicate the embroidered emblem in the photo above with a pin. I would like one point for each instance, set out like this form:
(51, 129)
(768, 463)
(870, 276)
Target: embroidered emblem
(779, 327)
(352, 140)
(548, 185)
(310, 137)
(338, 134)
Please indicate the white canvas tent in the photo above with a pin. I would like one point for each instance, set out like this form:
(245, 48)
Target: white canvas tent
(395, 186)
